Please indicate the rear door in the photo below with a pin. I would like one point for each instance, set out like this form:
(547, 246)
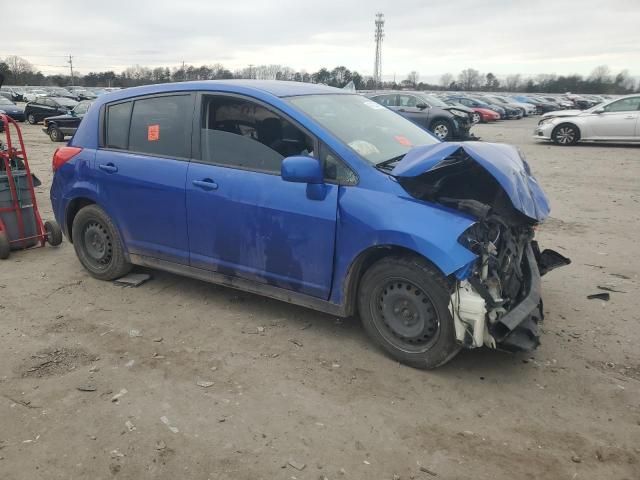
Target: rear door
(141, 171)
(618, 120)
(243, 219)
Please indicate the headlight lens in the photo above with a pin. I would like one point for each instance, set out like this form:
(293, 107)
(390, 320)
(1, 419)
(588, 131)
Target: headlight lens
(460, 113)
(545, 120)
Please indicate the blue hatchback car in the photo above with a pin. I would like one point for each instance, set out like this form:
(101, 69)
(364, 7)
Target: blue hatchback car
(314, 196)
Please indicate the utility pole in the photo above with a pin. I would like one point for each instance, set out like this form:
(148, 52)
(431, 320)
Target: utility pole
(70, 62)
(251, 70)
(184, 73)
(379, 35)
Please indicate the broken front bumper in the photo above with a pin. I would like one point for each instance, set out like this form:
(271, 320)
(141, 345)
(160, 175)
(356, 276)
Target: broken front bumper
(518, 329)
(515, 330)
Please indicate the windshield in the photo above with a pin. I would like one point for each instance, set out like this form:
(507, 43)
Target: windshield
(376, 133)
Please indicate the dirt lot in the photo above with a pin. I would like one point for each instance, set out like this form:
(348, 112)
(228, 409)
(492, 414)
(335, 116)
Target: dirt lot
(293, 385)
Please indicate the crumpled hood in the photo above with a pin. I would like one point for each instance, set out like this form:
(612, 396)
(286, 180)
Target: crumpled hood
(503, 162)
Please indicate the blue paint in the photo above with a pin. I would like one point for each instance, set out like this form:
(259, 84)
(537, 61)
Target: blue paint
(304, 235)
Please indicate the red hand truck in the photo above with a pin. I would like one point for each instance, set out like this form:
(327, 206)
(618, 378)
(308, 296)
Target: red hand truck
(13, 160)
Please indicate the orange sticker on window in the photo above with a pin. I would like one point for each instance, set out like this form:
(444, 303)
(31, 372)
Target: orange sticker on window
(403, 141)
(153, 133)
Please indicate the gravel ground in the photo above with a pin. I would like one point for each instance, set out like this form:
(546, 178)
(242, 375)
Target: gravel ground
(181, 379)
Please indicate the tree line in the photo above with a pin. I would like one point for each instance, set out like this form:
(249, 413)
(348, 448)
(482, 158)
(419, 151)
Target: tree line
(19, 71)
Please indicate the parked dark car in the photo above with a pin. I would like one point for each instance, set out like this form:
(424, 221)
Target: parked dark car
(313, 196)
(85, 95)
(476, 103)
(541, 106)
(43, 107)
(15, 94)
(444, 121)
(11, 109)
(61, 126)
(511, 112)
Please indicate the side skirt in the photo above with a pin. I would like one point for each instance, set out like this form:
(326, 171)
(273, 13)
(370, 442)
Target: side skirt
(263, 289)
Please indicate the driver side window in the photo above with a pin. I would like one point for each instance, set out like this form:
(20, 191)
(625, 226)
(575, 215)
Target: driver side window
(408, 100)
(240, 133)
(624, 105)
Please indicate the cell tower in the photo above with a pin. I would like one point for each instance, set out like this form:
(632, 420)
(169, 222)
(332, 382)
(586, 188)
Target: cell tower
(379, 35)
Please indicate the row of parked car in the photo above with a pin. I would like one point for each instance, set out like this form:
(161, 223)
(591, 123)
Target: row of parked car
(450, 116)
(29, 94)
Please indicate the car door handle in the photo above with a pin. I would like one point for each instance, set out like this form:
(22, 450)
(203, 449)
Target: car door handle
(206, 184)
(630, 117)
(109, 168)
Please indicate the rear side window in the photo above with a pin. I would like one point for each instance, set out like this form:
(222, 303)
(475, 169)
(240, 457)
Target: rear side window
(117, 125)
(160, 126)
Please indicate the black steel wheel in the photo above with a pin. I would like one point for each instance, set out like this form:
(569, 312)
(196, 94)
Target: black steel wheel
(55, 134)
(97, 244)
(5, 246)
(54, 233)
(565, 134)
(404, 306)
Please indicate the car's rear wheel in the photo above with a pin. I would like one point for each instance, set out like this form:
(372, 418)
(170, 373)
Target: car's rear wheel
(55, 134)
(98, 245)
(404, 306)
(441, 129)
(565, 134)
(31, 118)
(476, 117)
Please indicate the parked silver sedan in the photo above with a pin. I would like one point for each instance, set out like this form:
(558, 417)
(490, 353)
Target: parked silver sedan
(615, 120)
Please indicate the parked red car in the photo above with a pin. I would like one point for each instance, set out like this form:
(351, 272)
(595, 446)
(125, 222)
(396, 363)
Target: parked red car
(484, 115)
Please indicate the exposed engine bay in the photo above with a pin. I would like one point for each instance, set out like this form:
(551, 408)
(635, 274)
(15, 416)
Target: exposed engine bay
(496, 300)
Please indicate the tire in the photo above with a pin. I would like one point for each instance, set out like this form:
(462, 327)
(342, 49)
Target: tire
(565, 134)
(55, 134)
(403, 303)
(54, 233)
(441, 129)
(476, 117)
(98, 245)
(5, 246)
(32, 119)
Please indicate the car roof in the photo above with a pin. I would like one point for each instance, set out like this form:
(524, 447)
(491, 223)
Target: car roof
(276, 88)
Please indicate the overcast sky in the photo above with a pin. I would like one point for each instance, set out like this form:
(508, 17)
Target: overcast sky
(503, 37)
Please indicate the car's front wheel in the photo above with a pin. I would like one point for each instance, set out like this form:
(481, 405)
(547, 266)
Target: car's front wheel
(55, 134)
(441, 129)
(31, 118)
(565, 134)
(404, 306)
(98, 245)
(476, 117)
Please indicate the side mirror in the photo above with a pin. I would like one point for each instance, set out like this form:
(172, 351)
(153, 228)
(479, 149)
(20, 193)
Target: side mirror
(422, 106)
(599, 111)
(302, 169)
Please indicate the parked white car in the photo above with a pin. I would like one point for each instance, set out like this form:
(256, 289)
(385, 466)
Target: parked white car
(616, 120)
(31, 95)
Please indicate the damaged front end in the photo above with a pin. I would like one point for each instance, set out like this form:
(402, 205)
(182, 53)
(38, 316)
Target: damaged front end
(495, 300)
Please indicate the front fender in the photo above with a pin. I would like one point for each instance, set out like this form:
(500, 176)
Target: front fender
(370, 218)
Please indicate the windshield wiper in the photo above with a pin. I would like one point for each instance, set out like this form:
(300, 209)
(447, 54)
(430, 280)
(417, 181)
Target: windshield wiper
(387, 163)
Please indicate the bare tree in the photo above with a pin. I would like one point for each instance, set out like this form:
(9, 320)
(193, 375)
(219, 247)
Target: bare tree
(513, 82)
(470, 78)
(601, 74)
(413, 78)
(446, 80)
